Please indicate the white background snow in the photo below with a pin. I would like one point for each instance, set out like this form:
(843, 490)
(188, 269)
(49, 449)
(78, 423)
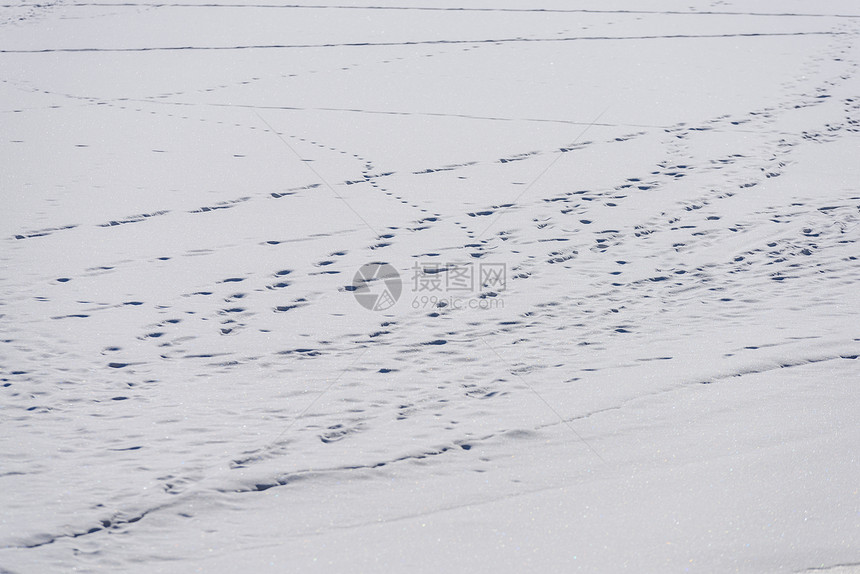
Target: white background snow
(668, 381)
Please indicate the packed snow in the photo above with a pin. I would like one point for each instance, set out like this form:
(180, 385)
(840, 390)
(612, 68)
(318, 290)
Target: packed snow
(448, 286)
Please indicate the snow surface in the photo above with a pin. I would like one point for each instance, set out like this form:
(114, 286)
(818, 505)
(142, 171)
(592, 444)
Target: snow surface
(668, 381)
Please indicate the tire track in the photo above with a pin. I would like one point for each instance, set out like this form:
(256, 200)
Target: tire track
(438, 42)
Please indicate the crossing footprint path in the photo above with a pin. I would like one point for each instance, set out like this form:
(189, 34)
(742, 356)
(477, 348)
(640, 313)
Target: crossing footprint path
(197, 339)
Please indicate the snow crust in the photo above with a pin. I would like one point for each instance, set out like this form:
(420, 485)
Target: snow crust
(667, 380)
